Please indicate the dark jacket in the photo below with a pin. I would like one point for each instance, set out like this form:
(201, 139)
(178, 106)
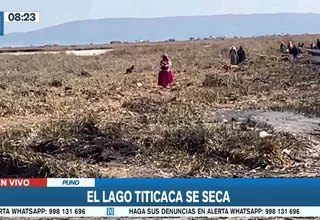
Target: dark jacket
(318, 44)
(241, 55)
(295, 51)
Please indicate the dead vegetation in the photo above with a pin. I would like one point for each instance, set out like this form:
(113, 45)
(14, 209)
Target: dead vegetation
(68, 116)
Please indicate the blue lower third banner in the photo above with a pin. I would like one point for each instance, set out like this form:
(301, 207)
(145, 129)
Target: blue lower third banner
(160, 197)
(1, 23)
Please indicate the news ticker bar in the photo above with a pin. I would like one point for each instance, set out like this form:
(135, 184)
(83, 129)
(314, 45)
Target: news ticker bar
(160, 211)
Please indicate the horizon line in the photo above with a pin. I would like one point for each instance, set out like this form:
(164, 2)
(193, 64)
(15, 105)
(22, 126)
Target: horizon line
(179, 16)
(206, 15)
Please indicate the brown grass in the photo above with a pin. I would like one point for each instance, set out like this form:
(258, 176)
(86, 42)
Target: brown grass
(63, 115)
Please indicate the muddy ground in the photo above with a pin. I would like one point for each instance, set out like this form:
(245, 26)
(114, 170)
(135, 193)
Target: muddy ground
(279, 121)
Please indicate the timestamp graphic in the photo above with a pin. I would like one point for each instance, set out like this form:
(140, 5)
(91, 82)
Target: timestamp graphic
(14, 17)
(17, 17)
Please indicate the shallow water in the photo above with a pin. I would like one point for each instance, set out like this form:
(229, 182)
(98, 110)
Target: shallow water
(69, 52)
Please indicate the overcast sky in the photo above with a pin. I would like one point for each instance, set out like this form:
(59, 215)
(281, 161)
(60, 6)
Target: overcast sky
(61, 11)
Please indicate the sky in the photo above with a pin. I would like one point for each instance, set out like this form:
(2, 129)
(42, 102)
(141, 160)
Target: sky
(61, 11)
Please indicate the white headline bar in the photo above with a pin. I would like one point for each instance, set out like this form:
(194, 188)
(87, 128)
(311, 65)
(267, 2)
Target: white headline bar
(60, 182)
(143, 212)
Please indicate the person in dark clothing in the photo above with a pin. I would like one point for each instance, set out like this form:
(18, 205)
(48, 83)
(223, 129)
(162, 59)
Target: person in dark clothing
(301, 45)
(241, 55)
(318, 44)
(295, 52)
(233, 55)
(283, 48)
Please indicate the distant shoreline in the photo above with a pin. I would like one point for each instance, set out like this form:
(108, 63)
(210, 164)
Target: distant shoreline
(107, 46)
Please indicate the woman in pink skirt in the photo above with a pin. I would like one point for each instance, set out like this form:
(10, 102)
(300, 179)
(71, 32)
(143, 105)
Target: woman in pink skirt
(165, 74)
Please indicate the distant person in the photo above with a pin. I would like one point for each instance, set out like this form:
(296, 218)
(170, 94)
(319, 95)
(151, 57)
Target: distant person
(295, 52)
(241, 55)
(299, 48)
(233, 55)
(283, 48)
(318, 44)
(165, 74)
(313, 46)
(290, 46)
